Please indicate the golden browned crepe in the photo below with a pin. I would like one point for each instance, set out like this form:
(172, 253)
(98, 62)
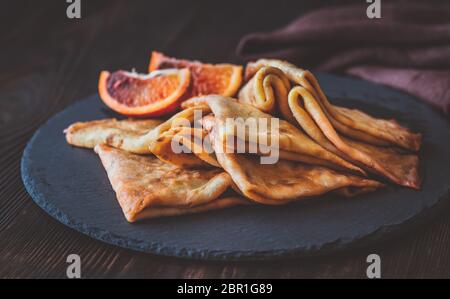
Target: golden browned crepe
(266, 91)
(277, 183)
(174, 167)
(396, 165)
(287, 181)
(293, 144)
(140, 137)
(350, 122)
(147, 187)
(198, 143)
(125, 134)
(305, 109)
(162, 148)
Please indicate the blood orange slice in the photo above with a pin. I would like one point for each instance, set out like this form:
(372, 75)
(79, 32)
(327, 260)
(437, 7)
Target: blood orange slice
(222, 79)
(154, 94)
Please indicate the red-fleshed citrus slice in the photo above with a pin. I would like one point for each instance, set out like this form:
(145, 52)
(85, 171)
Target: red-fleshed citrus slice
(221, 79)
(154, 94)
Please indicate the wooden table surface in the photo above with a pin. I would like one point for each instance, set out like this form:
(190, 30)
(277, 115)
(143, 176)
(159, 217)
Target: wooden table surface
(49, 61)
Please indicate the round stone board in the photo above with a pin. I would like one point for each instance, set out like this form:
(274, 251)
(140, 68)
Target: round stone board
(71, 185)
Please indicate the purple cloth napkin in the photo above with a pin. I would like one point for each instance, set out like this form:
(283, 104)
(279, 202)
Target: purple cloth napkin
(408, 48)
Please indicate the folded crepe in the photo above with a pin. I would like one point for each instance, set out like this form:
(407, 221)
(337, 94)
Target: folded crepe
(197, 142)
(125, 134)
(286, 181)
(350, 122)
(147, 187)
(278, 183)
(292, 144)
(300, 106)
(264, 91)
(191, 142)
(156, 137)
(139, 136)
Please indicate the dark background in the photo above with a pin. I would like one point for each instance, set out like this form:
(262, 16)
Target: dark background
(48, 61)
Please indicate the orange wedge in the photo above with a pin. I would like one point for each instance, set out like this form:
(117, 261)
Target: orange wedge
(142, 95)
(221, 79)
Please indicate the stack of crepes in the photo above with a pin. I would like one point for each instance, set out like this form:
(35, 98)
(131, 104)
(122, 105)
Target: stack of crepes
(322, 148)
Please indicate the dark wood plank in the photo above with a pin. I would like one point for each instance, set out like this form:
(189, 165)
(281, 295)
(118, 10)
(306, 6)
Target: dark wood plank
(49, 61)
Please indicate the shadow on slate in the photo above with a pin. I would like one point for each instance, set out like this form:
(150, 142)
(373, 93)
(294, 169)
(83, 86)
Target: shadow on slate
(71, 185)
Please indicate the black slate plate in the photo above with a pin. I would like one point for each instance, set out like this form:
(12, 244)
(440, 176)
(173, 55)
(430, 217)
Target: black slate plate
(71, 185)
